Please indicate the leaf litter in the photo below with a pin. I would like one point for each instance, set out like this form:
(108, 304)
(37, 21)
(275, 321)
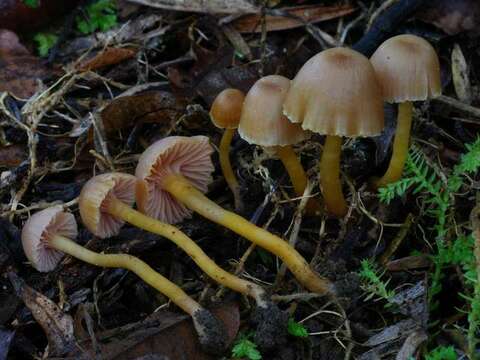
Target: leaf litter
(109, 94)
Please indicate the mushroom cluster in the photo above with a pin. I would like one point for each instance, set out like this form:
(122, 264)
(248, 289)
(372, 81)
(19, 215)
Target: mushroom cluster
(337, 93)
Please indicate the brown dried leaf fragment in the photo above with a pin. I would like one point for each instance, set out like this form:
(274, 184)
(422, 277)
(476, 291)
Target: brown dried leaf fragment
(57, 325)
(12, 155)
(461, 80)
(106, 57)
(164, 334)
(20, 72)
(292, 17)
(210, 6)
(453, 17)
(16, 15)
(153, 107)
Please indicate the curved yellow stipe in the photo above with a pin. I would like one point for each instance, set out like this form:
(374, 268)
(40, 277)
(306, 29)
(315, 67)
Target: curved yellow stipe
(297, 175)
(136, 218)
(400, 145)
(124, 261)
(226, 166)
(186, 193)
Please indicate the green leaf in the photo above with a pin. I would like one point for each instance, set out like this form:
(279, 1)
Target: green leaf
(296, 329)
(373, 283)
(45, 41)
(100, 15)
(244, 348)
(442, 353)
(85, 27)
(32, 3)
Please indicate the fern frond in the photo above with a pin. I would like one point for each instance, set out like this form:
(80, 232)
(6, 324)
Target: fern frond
(469, 163)
(399, 188)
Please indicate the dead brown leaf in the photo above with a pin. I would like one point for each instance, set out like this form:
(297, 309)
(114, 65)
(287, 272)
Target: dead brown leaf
(163, 334)
(57, 325)
(20, 72)
(292, 17)
(106, 57)
(453, 17)
(12, 155)
(460, 75)
(154, 107)
(135, 30)
(409, 263)
(211, 6)
(17, 16)
(10, 44)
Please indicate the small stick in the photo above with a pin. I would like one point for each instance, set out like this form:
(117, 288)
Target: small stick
(295, 230)
(393, 246)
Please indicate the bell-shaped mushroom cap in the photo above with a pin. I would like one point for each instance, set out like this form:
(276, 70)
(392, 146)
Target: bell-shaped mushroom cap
(336, 93)
(39, 229)
(407, 69)
(226, 109)
(94, 199)
(262, 122)
(180, 155)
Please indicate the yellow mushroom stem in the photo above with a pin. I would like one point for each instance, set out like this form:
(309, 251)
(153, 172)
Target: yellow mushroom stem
(330, 176)
(124, 261)
(226, 166)
(400, 145)
(297, 175)
(186, 193)
(122, 211)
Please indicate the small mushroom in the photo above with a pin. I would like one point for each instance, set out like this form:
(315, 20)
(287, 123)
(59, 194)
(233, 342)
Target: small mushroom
(48, 235)
(407, 69)
(263, 123)
(335, 94)
(225, 114)
(106, 203)
(179, 169)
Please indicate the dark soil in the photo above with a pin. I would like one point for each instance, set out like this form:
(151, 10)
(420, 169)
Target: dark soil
(99, 115)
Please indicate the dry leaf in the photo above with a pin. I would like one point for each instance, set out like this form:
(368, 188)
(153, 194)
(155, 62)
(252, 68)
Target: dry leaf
(135, 30)
(409, 263)
(210, 6)
(453, 17)
(461, 80)
(12, 155)
(154, 107)
(411, 345)
(20, 72)
(163, 334)
(57, 325)
(17, 16)
(293, 17)
(10, 44)
(108, 56)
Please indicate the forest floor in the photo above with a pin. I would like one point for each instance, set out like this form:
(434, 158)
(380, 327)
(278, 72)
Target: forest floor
(86, 87)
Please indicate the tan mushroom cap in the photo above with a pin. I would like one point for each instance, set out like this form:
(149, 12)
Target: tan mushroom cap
(407, 68)
(262, 122)
(39, 229)
(336, 93)
(94, 199)
(179, 155)
(226, 109)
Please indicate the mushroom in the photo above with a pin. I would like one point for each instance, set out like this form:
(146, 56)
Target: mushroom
(47, 236)
(263, 123)
(336, 94)
(105, 203)
(225, 114)
(407, 69)
(175, 171)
